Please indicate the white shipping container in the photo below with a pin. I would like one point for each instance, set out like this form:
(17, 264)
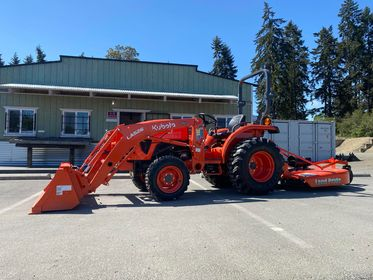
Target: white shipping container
(315, 140)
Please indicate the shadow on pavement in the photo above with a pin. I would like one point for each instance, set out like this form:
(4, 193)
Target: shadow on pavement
(212, 196)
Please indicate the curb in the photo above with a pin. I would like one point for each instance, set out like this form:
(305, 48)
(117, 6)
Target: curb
(47, 177)
(27, 177)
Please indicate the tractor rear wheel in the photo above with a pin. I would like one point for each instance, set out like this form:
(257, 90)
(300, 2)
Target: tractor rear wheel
(218, 181)
(167, 178)
(138, 179)
(255, 166)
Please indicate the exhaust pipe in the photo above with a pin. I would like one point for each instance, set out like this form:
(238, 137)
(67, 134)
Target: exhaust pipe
(267, 96)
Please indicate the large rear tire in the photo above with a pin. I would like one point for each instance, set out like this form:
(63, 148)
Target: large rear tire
(167, 178)
(255, 166)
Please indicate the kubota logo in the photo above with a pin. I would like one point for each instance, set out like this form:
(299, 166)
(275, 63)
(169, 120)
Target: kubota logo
(135, 132)
(162, 126)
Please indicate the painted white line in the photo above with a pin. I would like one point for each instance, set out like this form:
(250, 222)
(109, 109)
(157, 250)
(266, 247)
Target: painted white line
(2, 211)
(198, 185)
(291, 237)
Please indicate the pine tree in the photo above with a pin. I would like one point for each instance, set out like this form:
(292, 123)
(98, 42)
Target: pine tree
(326, 73)
(28, 59)
(40, 55)
(367, 58)
(350, 52)
(294, 77)
(14, 60)
(269, 42)
(223, 60)
(2, 63)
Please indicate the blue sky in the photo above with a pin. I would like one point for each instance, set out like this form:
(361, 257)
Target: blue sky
(165, 31)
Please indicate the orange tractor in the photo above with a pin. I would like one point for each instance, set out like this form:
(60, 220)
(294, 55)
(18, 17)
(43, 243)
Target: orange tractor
(161, 154)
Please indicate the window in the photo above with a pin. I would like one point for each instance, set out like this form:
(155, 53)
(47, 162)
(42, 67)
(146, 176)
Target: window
(20, 121)
(223, 121)
(75, 123)
(181, 116)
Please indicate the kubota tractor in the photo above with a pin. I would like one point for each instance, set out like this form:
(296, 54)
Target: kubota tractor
(161, 154)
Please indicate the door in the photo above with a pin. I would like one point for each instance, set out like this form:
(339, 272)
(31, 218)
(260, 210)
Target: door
(129, 117)
(282, 139)
(324, 141)
(306, 140)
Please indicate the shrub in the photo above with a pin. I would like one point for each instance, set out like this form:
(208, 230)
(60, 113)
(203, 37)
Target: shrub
(359, 124)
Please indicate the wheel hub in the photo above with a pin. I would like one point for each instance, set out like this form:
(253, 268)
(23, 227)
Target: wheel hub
(252, 165)
(168, 178)
(261, 166)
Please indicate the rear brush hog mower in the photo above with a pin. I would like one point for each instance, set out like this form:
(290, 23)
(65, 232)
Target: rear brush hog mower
(161, 154)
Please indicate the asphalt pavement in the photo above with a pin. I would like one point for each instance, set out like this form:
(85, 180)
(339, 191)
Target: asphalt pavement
(120, 233)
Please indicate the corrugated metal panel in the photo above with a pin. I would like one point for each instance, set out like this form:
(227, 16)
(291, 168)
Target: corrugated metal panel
(315, 140)
(49, 113)
(88, 72)
(10, 155)
(122, 75)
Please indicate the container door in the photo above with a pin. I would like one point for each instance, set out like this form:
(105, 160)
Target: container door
(281, 139)
(306, 140)
(324, 141)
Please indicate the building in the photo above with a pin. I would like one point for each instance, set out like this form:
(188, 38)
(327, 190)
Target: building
(72, 102)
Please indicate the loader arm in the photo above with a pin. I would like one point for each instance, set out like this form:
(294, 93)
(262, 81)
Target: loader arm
(70, 184)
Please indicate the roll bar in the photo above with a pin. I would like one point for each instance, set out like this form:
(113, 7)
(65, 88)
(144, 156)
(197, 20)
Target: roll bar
(267, 96)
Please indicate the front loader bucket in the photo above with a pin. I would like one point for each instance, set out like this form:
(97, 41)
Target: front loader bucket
(63, 192)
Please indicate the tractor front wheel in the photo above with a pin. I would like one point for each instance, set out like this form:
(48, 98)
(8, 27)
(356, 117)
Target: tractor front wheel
(138, 179)
(255, 166)
(167, 178)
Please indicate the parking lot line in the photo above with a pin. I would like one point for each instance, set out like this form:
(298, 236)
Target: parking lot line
(284, 233)
(2, 211)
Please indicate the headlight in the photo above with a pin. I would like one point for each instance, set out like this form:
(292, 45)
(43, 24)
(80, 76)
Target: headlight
(267, 121)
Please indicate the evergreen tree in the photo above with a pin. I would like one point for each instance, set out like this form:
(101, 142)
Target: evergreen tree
(223, 60)
(350, 52)
(40, 55)
(367, 58)
(14, 60)
(2, 63)
(28, 59)
(269, 46)
(326, 73)
(295, 78)
(123, 53)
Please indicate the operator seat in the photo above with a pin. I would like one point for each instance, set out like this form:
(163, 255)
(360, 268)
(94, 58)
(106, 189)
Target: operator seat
(233, 124)
(236, 122)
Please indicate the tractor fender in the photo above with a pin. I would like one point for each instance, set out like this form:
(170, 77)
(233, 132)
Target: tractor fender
(243, 133)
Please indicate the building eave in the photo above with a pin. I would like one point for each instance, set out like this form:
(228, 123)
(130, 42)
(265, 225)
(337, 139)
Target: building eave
(56, 90)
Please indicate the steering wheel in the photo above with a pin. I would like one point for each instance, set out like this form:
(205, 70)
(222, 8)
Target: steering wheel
(207, 119)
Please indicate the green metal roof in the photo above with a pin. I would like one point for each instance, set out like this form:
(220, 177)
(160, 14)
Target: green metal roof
(83, 72)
